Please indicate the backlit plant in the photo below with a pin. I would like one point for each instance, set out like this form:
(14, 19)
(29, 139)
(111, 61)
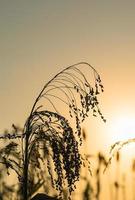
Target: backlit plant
(51, 139)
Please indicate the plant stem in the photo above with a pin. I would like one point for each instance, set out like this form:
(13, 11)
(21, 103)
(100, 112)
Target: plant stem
(25, 172)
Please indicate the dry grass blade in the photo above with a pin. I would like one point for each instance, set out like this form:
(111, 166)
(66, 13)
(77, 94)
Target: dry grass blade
(116, 147)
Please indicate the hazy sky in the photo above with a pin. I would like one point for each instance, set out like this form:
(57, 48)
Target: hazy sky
(39, 38)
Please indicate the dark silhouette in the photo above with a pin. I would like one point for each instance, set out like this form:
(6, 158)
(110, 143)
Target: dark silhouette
(41, 196)
(49, 137)
(101, 162)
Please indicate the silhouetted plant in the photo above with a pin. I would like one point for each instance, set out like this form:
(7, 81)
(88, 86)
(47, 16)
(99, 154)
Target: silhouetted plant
(116, 147)
(116, 183)
(101, 162)
(115, 150)
(41, 196)
(50, 139)
(88, 191)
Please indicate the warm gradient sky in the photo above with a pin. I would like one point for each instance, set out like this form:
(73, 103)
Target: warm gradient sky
(39, 38)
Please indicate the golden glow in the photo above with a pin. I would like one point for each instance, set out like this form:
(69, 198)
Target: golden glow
(122, 127)
(38, 39)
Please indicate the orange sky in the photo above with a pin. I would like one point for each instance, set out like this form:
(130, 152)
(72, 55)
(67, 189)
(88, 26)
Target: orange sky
(39, 38)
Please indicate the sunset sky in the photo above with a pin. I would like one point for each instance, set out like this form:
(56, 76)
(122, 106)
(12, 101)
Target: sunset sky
(40, 38)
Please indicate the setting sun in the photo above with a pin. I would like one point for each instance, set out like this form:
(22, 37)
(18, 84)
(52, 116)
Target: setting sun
(122, 127)
(39, 39)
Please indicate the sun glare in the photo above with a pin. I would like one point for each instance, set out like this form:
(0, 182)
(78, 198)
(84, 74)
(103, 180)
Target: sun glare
(122, 128)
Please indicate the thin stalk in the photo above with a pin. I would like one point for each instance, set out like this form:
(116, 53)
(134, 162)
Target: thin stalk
(25, 173)
(26, 165)
(116, 184)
